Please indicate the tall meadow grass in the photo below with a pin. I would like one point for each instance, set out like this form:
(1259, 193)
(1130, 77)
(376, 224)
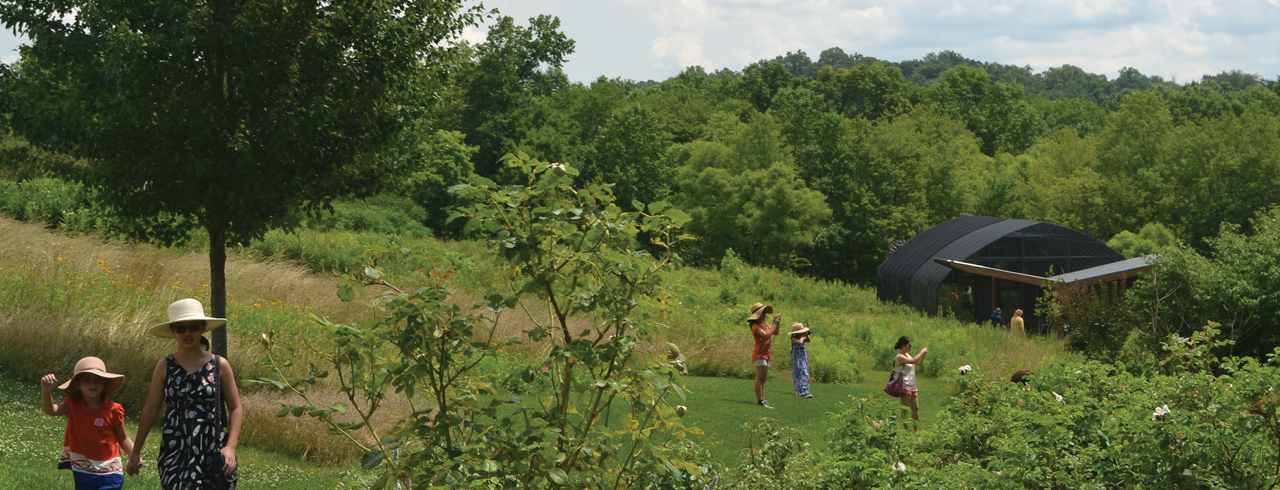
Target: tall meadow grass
(64, 296)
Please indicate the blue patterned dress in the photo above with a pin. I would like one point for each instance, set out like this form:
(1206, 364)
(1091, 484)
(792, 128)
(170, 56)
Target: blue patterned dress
(800, 369)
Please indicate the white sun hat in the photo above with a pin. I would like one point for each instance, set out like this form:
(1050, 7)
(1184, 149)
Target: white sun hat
(185, 310)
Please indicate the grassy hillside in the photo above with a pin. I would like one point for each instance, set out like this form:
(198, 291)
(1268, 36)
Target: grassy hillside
(64, 296)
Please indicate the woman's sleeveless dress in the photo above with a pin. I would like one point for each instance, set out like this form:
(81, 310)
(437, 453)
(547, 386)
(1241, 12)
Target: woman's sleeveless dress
(190, 428)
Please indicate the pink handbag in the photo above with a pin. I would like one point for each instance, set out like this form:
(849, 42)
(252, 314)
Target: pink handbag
(897, 384)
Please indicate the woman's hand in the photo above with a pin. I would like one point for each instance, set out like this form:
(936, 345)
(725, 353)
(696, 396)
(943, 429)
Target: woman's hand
(228, 459)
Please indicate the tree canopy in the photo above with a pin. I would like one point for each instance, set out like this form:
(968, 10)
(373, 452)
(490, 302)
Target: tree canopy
(228, 116)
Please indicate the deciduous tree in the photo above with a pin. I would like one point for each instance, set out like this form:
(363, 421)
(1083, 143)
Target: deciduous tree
(227, 116)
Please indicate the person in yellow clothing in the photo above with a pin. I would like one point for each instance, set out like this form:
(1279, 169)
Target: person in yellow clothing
(1016, 324)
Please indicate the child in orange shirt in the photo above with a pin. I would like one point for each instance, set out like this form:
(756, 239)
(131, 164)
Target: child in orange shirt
(95, 425)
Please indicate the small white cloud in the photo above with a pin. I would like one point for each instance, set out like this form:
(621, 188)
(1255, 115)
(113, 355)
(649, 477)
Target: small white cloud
(685, 48)
(956, 10)
(474, 35)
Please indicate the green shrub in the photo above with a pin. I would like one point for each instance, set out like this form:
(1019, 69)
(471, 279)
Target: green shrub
(19, 161)
(50, 200)
(1074, 425)
(386, 214)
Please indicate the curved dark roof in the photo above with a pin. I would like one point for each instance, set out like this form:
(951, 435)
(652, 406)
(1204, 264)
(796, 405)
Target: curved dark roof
(911, 275)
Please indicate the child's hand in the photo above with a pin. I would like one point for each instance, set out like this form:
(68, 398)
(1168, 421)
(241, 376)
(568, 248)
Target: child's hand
(48, 382)
(923, 350)
(133, 466)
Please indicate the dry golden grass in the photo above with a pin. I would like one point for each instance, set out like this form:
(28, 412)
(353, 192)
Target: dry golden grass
(49, 334)
(304, 436)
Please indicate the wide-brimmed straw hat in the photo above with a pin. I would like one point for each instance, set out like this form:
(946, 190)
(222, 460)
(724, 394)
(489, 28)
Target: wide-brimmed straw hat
(758, 311)
(94, 366)
(798, 328)
(185, 310)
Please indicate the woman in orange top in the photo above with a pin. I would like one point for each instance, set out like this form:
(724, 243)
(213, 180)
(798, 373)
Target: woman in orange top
(763, 350)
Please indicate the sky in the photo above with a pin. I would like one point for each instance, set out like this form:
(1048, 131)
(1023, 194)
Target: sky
(640, 40)
(1179, 40)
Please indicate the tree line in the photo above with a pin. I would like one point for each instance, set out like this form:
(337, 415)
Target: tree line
(814, 166)
(818, 166)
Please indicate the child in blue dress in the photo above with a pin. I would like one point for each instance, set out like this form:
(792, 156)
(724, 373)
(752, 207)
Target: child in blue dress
(800, 360)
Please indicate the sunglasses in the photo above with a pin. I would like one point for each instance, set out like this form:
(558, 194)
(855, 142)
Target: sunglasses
(181, 328)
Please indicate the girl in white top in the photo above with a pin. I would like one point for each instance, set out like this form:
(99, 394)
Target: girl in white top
(906, 366)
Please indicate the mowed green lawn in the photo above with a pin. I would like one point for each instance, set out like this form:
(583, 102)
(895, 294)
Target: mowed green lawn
(720, 407)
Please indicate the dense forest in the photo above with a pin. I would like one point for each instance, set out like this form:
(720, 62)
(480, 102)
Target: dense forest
(817, 166)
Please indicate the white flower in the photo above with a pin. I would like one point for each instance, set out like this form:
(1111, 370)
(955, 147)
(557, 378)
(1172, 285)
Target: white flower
(1160, 412)
(1056, 395)
(899, 467)
(965, 369)
(557, 166)
(681, 409)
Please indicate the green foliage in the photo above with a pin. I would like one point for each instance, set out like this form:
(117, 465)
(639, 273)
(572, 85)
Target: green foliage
(577, 250)
(1235, 285)
(744, 195)
(997, 113)
(506, 73)
(384, 214)
(448, 163)
(1082, 116)
(1073, 426)
(574, 249)
(266, 108)
(871, 92)
(628, 152)
(50, 200)
(21, 161)
(1153, 238)
(1097, 318)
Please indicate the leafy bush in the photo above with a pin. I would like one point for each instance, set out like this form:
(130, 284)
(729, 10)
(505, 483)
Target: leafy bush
(50, 200)
(1090, 425)
(19, 161)
(575, 250)
(386, 214)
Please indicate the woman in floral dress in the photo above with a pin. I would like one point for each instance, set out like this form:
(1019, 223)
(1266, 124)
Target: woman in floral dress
(186, 382)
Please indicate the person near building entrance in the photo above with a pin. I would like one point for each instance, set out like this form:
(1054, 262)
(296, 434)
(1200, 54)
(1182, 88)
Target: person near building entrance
(996, 319)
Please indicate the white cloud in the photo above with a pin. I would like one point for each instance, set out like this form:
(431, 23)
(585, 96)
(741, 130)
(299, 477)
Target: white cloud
(474, 35)
(684, 48)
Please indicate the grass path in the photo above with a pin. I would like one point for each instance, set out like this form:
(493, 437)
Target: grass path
(720, 406)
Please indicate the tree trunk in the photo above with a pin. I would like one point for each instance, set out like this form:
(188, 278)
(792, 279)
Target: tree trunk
(218, 288)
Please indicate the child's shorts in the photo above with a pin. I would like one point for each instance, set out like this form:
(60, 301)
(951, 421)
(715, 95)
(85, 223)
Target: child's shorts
(762, 363)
